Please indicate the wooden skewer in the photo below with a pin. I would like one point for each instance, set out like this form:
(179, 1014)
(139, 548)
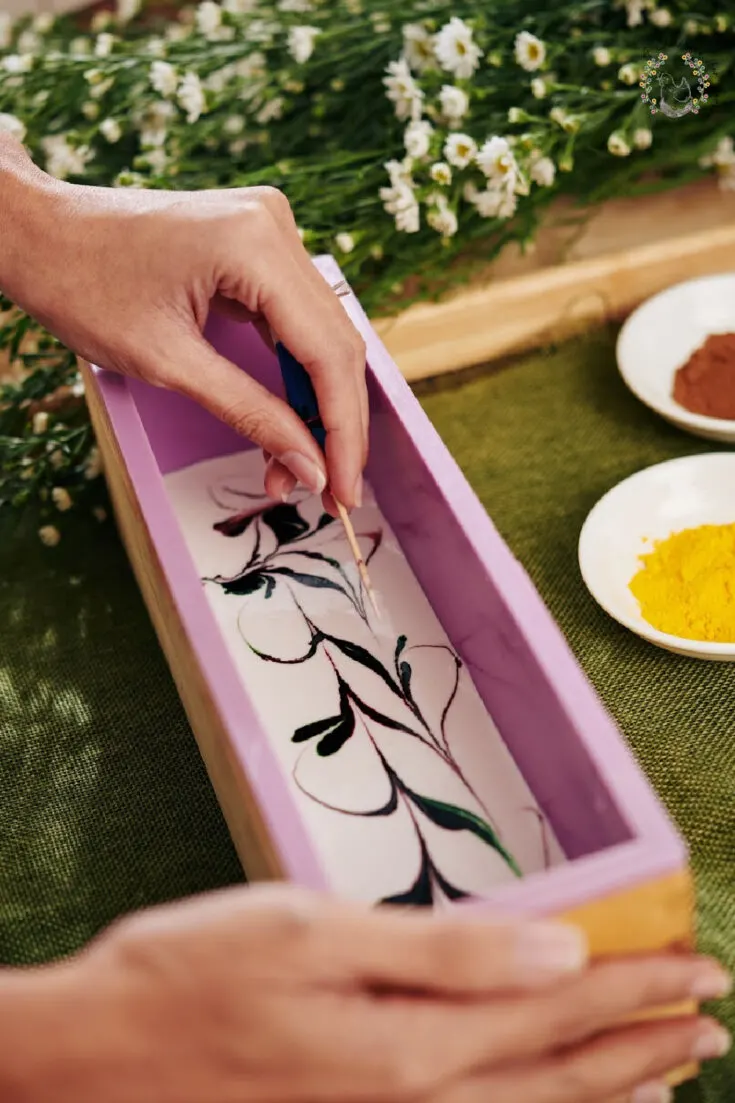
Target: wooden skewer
(304, 401)
(357, 554)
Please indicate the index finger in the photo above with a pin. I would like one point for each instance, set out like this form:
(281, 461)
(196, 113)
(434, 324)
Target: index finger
(393, 949)
(320, 335)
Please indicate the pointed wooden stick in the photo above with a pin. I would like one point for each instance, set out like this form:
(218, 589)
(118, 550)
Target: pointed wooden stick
(357, 555)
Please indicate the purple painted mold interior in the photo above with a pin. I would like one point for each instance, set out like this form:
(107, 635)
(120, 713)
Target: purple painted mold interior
(609, 823)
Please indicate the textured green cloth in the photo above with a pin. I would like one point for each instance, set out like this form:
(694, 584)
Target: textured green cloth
(104, 803)
(541, 440)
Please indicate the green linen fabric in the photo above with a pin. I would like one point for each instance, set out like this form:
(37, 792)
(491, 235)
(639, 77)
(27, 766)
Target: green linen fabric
(105, 806)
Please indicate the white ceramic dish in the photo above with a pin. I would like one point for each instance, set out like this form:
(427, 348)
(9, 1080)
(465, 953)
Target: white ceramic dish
(650, 505)
(662, 334)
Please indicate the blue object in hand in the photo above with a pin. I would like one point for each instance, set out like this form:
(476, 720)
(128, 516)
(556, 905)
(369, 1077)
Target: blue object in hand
(300, 393)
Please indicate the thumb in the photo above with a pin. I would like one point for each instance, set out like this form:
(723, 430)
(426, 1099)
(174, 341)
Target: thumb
(248, 408)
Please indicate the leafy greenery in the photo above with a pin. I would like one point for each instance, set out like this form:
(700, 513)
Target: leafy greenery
(358, 111)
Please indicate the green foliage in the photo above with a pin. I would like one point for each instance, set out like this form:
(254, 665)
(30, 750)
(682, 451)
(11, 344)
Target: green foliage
(345, 107)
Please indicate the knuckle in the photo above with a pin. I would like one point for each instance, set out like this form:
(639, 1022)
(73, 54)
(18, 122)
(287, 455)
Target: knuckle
(357, 347)
(257, 225)
(273, 200)
(253, 422)
(350, 349)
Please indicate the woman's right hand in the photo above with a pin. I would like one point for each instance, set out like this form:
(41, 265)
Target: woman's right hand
(273, 995)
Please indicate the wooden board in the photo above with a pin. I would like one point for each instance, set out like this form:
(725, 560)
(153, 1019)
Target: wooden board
(578, 276)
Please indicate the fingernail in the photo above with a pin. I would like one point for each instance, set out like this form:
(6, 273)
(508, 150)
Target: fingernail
(712, 983)
(305, 471)
(289, 485)
(552, 948)
(652, 1093)
(357, 493)
(714, 1041)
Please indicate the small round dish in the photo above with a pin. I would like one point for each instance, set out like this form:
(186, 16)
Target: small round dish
(648, 506)
(660, 336)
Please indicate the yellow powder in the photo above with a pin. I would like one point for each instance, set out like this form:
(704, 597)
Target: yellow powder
(686, 586)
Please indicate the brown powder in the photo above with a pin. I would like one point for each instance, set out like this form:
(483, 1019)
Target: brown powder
(706, 383)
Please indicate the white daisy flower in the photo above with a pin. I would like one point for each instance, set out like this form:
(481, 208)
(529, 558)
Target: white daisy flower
(100, 21)
(299, 7)
(634, 10)
(495, 159)
(417, 138)
(43, 22)
(397, 197)
(29, 42)
(234, 124)
(62, 159)
(301, 43)
(111, 130)
(460, 150)
(209, 19)
(61, 498)
(251, 66)
(104, 45)
(164, 78)
(190, 96)
(489, 202)
(408, 219)
(156, 159)
(402, 90)
(723, 154)
(345, 242)
(418, 47)
(542, 171)
(453, 102)
(456, 50)
(601, 56)
(12, 125)
(271, 110)
(441, 173)
(661, 17)
(49, 535)
(17, 63)
(442, 220)
(530, 52)
(642, 137)
(399, 172)
(617, 144)
(127, 10)
(726, 178)
(538, 88)
(569, 123)
(629, 74)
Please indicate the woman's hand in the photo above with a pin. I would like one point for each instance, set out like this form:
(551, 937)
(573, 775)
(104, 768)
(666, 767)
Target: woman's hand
(125, 278)
(272, 995)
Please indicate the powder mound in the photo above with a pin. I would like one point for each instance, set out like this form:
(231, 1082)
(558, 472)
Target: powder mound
(706, 383)
(686, 586)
